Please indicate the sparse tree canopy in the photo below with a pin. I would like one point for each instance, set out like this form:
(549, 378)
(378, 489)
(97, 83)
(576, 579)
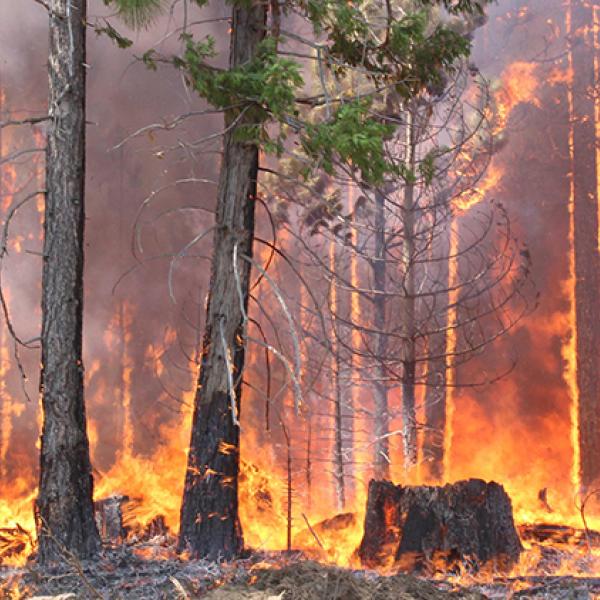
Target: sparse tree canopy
(394, 48)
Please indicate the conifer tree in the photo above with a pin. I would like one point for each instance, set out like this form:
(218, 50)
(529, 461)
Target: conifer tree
(64, 507)
(260, 94)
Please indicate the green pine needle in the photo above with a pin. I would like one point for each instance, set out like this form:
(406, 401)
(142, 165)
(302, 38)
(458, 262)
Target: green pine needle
(139, 14)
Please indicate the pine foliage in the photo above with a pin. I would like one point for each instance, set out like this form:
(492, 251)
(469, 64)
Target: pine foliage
(138, 14)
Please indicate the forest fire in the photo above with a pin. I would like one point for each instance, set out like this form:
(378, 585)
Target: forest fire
(392, 390)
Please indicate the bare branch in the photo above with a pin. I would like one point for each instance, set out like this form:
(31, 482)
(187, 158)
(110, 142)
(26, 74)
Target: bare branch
(28, 121)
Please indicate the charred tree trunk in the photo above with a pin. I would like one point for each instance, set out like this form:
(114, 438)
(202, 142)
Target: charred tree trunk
(587, 259)
(409, 419)
(210, 525)
(435, 392)
(64, 508)
(380, 388)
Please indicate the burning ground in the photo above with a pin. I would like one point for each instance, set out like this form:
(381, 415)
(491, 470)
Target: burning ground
(525, 431)
(122, 574)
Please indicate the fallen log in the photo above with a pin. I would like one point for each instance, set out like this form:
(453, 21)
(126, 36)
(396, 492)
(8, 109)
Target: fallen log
(467, 524)
(550, 533)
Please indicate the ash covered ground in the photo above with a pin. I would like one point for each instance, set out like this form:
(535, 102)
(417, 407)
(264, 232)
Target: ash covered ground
(130, 572)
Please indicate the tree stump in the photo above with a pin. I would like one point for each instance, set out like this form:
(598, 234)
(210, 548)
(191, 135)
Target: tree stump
(465, 524)
(109, 518)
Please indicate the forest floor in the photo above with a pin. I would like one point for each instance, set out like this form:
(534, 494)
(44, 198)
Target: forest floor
(124, 574)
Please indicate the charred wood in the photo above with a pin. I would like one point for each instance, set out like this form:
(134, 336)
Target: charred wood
(109, 519)
(210, 526)
(64, 506)
(558, 534)
(468, 522)
(587, 259)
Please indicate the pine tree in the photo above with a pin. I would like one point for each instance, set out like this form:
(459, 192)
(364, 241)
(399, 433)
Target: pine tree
(260, 95)
(64, 508)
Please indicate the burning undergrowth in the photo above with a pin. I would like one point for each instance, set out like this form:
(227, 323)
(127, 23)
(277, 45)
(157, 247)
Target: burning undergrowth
(122, 574)
(140, 560)
(534, 407)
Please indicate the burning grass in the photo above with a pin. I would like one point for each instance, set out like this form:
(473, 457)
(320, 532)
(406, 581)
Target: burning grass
(140, 562)
(122, 574)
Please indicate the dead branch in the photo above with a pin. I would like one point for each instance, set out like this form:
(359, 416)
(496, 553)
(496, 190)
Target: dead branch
(230, 383)
(312, 531)
(43, 4)
(292, 329)
(28, 121)
(11, 213)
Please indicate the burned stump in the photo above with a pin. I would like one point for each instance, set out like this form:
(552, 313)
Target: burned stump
(110, 520)
(116, 521)
(468, 523)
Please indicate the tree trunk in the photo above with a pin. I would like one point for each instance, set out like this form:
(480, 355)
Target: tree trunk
(380, 388)
(210, 525)
(340, 479)
(289, 487)
(6, 408)
(353, 363)
(308, 473)
(336, 389)
(435, 392)
(65, 511)
(409, 420)
(587, 259)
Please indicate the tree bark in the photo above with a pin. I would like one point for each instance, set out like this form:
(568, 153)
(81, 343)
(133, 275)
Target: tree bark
(64, 508)
(340, 478)
(336, 389)
(409, 420)
(461, 523)
(587, 258)
(435, 392)
(380, 389)
(210, 525)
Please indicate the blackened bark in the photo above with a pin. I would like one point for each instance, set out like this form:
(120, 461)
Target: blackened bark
(381, 534)
(587, 259)
(412, 526)
(210, 525)
(64, 508)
